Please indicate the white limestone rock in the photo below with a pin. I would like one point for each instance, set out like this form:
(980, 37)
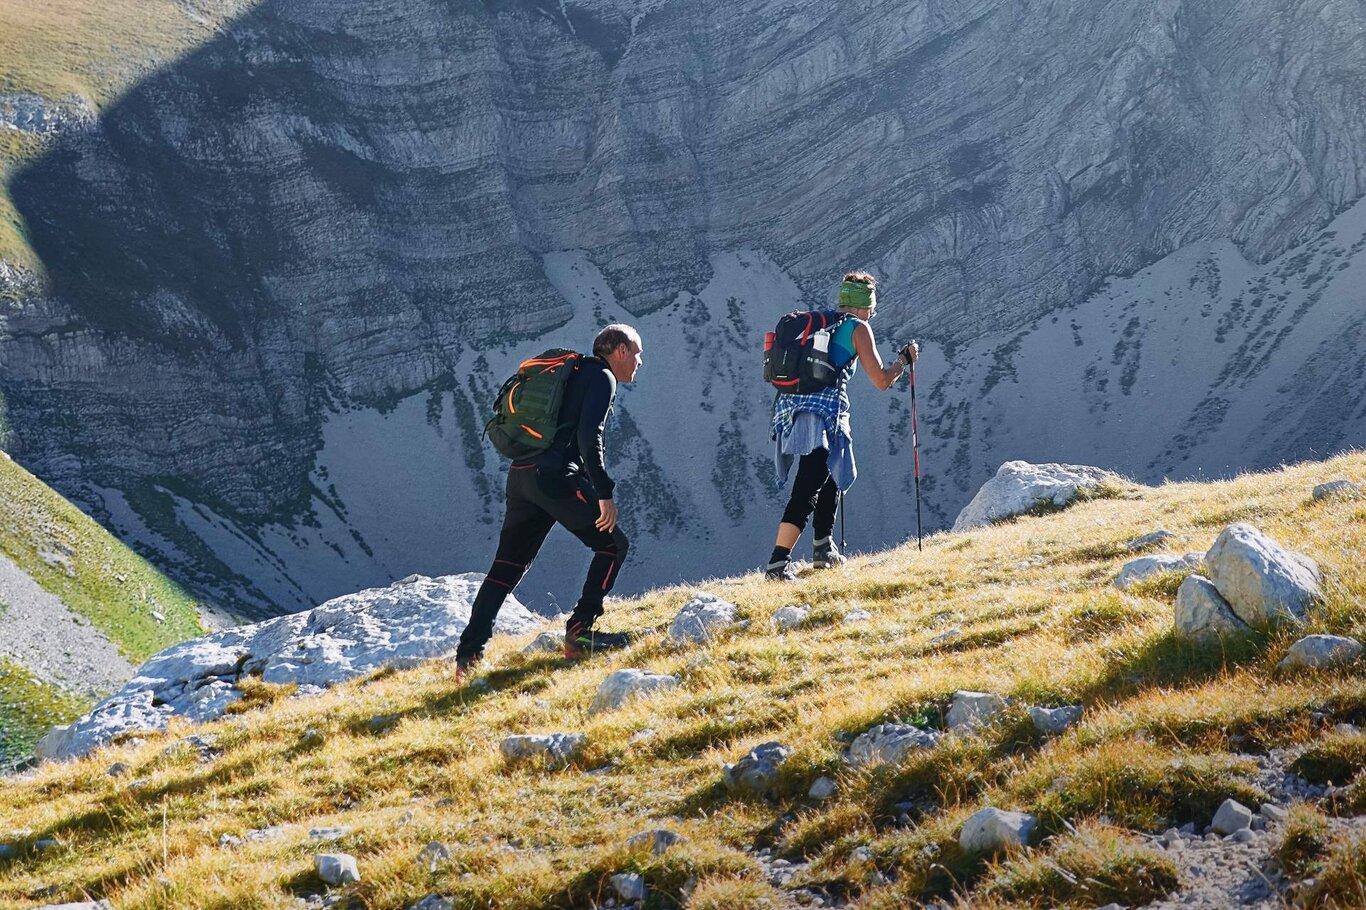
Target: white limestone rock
(822, 788)
(791, 617)
(556, 747)
(1050, 721)
(623, 685)
(630, 886)
(659, 840)
(1135, 570)
(889, 744)
(1315, 652)
(974, 709)
(700, 619)
(1201, 611)
(1337, 489)
(990, 830)
(336, 868)
(546, 643)
(1265, 584)
(1232, 816)
(1149, 541)
(1019, 487)
(758, 770)
(399, 626)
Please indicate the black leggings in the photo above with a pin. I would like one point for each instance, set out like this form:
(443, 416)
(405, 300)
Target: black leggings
(536, 500)
(813, 490)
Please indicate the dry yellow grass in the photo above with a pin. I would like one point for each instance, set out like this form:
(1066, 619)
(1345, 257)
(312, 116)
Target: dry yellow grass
(1039, 619)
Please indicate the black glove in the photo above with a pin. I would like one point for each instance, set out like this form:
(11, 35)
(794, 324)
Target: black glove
(908, 353)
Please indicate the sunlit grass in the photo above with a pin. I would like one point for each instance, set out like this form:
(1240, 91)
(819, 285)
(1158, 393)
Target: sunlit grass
(1040, 623)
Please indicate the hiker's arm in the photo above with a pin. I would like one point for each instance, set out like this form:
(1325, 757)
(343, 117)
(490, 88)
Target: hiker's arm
(597, 401)
(871, 361)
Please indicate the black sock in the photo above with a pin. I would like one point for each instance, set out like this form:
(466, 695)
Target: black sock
(780, 555)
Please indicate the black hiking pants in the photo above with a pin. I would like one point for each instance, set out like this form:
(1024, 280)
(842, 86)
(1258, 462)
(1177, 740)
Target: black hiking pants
(813, 490)
(537, 498)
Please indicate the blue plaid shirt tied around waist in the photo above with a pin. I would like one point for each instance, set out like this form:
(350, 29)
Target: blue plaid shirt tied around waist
(804, 423)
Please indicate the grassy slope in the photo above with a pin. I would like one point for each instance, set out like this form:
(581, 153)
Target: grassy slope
(90, 570)
(59, 48)
(1040, 622)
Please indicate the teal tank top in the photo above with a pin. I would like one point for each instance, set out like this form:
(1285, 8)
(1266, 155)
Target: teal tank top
(842, 345)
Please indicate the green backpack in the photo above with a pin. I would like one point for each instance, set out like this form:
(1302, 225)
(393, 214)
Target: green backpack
(526, 414)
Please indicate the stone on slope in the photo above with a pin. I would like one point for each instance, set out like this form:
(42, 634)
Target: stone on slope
(433, 902)
(79, 905)
(791, 617)
(822, 788)
(1200, 611)
(974, 709)
(889, 744)
(119, 714)
(659, 840)
(1020, 487)
(698, 621)
(397, 626)
(1148, 541)
(1232, 816)
(758, 770)
(557, 747)
(1318, 651)
(990, 830)
(1337, 489)
(1135, 570)
(623, 685)
(433, 856)
(1265, 584)
(630, 886)
(1054, 720)
(336, 868)
(546, 643)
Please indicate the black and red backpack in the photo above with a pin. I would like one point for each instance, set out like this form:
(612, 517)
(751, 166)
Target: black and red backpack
(797, 357)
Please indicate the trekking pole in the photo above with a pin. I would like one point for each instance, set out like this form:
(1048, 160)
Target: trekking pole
(915, 453)
(841, 521)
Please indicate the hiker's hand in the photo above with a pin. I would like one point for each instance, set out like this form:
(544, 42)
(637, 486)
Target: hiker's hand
(909, 353)
(607, 515)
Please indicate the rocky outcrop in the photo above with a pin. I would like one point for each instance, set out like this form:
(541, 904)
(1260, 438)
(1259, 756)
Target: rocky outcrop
(889, 744)
(622, 686)
(1265, 584)
(1021, 487)
(1201, 611)
(700, 619)
(1315, 652)
(400, 626)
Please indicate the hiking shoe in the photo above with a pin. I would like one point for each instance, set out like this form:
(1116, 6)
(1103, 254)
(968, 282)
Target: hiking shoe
(465, 667)
(780, 571)
(826, 555)
(589, 641)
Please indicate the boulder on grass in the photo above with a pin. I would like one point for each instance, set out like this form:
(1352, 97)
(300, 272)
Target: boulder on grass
(1020, 487)
(700, 619)
(991, 830)
(556, 747)
(624, 685)
(1265, 584)
(889, 744)
(1054, 720)
(1201, 612)
(1315, 652)
(1337, 489)
(1136, 570)
(758, 770)
(974, 709)
(336, 868)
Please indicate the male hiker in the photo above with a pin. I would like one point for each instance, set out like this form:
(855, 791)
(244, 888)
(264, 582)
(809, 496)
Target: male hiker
(812, 423)
(565, 483)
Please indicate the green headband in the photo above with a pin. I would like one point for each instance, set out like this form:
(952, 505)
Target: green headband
(856, 295)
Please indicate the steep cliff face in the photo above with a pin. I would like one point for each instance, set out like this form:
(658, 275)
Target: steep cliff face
(331, 207)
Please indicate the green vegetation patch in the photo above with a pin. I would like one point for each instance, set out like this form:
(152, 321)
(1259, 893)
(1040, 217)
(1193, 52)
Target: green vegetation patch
(1094, 866)
(28, 709)
(73, 558)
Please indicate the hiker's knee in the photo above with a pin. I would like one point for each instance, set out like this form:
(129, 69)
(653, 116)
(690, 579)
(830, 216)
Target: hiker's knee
(620, 543)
